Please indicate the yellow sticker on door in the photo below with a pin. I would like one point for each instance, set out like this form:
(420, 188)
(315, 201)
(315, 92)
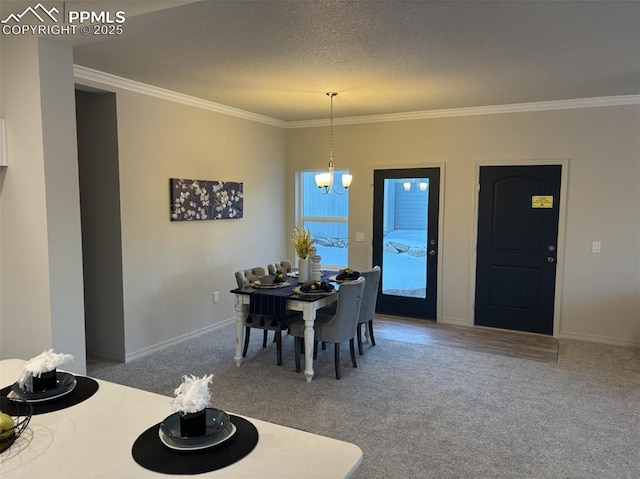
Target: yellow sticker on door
(542, 201)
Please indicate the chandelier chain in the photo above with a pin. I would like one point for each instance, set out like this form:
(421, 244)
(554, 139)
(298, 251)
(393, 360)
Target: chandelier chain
(331, 95)
(324, 181)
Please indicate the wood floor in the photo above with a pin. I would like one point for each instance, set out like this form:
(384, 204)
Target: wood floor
(535, 347)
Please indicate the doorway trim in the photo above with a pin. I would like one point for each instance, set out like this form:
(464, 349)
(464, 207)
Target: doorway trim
(441, 246)
(562, 203)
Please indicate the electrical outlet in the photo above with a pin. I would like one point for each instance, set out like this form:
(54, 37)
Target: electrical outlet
(216, 296)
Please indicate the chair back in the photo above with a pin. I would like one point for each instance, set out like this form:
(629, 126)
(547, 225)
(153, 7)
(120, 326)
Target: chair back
(342, 326)
(247, 276)
(284, 266)
(370, 294)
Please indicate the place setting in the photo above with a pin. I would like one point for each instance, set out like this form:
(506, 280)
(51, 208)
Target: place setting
(314, 289)
(271, 281)
(195, 438)
(343, 275)
(45, 388)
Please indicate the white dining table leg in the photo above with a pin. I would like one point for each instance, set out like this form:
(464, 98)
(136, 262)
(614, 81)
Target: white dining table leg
(309, 315)
(241, 314)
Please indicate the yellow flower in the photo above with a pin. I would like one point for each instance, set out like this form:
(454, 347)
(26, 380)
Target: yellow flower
(302, 241)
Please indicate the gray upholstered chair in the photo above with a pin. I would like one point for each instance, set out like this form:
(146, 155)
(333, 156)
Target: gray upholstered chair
(335, 329)
(245, 278)
(284, 266)
(368, 306)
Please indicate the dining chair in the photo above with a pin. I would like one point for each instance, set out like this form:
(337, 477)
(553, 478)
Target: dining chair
(245, 278)
(336, 329)
(368, 305)
(283, 266)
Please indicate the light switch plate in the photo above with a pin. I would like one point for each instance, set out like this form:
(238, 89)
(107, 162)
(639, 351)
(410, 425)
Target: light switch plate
(596, 247)
(359, 236)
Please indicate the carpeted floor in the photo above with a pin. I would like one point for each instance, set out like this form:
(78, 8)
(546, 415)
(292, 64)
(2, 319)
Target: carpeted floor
(421, 411)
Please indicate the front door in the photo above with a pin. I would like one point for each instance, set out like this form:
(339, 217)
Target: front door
(517, 247)
(405, 240)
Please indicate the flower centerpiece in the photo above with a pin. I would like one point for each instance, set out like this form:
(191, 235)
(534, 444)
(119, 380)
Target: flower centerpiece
(302, 242)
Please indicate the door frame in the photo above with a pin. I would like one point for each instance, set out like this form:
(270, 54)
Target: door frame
(441, 245)
(562, 221)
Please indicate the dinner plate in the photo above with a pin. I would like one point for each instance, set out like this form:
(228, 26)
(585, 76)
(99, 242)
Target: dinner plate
(65, 385)
(258, 284)
(216, 419)
(317, 294)
(226, 433)
(334, 279)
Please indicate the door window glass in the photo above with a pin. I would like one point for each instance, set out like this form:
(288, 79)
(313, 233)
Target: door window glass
(404, 257)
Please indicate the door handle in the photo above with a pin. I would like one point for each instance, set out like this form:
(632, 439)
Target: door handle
(432, 252)
(551, 259)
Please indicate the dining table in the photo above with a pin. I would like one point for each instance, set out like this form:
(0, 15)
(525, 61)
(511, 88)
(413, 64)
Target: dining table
(97, 435)
(307, 304)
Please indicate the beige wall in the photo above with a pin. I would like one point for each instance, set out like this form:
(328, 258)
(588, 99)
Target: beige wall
(41, 269)
(170, 269)
(600, 292)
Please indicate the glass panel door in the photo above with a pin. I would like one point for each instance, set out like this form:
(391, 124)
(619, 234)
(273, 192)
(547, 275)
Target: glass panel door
(405, 240)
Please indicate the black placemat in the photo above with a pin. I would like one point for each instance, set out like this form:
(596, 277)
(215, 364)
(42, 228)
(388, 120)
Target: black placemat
(85, 388)
(149, 451)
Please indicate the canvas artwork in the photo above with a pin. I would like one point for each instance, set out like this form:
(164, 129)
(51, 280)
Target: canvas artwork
(193, 200)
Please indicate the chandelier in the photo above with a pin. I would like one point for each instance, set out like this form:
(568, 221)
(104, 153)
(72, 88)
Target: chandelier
(324, 181)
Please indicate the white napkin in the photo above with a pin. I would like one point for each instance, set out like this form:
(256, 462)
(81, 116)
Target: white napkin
(45, 362)
(192, 395)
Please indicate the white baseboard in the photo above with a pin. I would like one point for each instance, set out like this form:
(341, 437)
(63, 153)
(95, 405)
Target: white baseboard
(170, 342)
(454, 321)
(594, 338)
(108, 355)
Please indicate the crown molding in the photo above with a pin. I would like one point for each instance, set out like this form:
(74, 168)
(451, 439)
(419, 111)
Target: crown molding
(475, 111)
(84, 73)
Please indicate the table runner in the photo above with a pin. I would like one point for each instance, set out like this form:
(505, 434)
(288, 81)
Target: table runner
(270, 303)
(149, 451)
(85, 388)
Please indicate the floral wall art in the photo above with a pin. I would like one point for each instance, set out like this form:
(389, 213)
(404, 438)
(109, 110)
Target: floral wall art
(193, 200)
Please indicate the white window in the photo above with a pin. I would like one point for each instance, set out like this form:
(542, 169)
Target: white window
(327, 217)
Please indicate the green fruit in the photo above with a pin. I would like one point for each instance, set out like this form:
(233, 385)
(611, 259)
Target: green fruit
(6, 426)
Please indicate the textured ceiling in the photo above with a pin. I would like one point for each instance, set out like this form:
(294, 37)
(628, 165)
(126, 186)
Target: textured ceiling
(279, 58)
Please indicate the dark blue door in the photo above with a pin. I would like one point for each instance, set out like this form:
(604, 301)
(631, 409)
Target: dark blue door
(405, 240)
(517, 247)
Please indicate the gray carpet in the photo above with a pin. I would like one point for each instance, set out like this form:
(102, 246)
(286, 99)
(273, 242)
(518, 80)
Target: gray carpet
(420, 411)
